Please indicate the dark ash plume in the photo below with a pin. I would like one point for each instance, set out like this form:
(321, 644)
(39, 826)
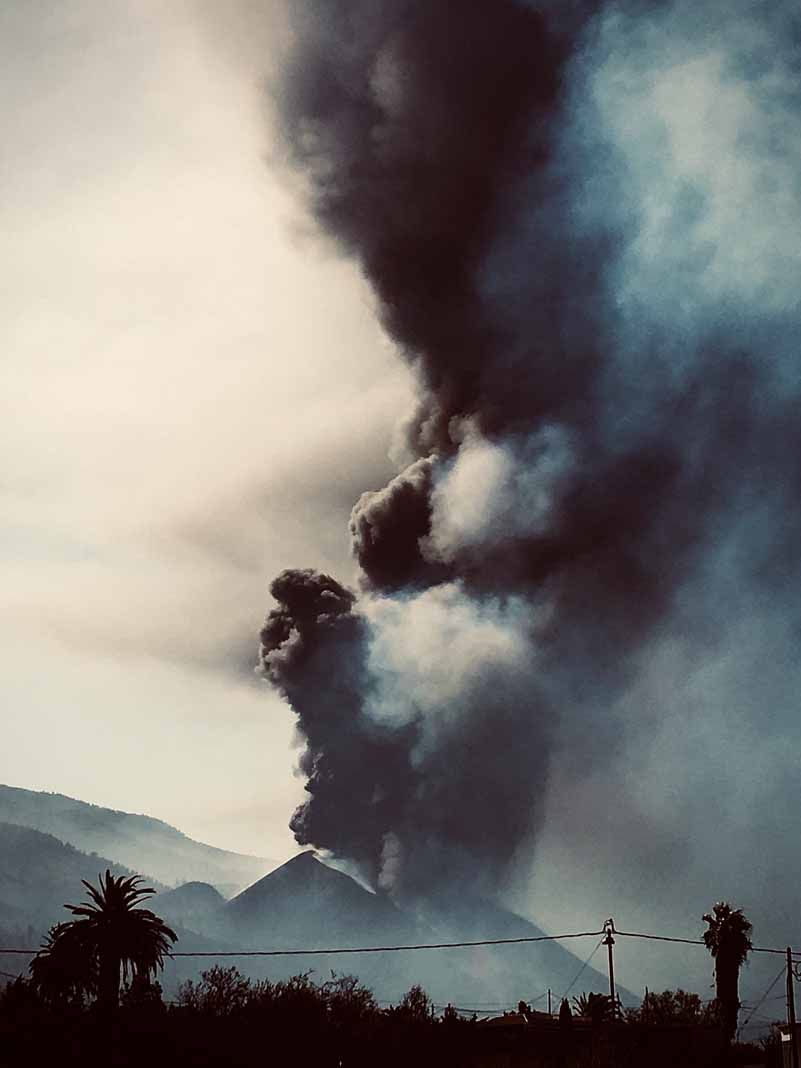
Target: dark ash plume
(415, 136)
(313, 650)
(386, 527)
(397, 793)
(604, 388)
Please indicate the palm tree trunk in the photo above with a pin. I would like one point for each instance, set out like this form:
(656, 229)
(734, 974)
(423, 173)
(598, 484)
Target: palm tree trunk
(727, 974)
(109, 982)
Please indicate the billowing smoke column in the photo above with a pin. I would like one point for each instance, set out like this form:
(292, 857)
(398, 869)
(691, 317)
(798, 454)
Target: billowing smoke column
(607, 385)
(315, 652)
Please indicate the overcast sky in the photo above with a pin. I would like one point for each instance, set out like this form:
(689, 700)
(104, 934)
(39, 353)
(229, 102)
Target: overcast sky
(194, 393)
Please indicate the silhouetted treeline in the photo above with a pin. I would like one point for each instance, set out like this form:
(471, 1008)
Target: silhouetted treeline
(225, 1019)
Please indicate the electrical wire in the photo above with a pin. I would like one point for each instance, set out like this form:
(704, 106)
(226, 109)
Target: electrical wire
(361, 949)
(384, 949)
(580, 972)
(696, 942)
(764, 996)
(427, 945)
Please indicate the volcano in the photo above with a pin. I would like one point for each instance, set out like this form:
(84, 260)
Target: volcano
(305, 904)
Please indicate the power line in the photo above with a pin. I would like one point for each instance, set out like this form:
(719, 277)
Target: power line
(477, 1005)
(764, 996)
(360, 949)
(580, 972)
(660, 938)
(470, 1009)
(500, 1005)
(384, 949)
(426, 945)
(695, 942)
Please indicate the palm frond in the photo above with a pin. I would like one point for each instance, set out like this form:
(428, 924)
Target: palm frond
(110, 935)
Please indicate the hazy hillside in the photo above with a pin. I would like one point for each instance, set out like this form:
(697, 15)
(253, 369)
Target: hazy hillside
(194, 905)
(141, 843)
(305, 904)
(38, 874)
(534, 966)
(301, 904)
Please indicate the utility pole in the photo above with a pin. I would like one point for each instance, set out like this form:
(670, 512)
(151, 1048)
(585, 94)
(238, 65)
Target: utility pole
(549, 1001)
(791, 1010)
(609, 941)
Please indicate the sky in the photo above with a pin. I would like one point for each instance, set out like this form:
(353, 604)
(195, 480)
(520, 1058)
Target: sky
(183, 364)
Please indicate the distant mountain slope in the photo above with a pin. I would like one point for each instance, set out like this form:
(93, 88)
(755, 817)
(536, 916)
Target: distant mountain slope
(141, 843)
(197, 906)
(305, 904)
(536, 966)
(38, 874)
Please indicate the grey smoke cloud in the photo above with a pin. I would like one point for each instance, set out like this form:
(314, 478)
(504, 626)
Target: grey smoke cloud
(409, 712)
(582, 236)
(491, 494)
(386, 527)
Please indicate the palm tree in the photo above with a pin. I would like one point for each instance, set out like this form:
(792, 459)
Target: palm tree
(63, 971)
(728, 939)
(112, 939)
(598, 1008)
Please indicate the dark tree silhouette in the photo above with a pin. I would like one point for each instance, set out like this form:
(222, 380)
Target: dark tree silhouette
(450, 1016)
(112, 940)
(64, 972)
(565, 1015)
(416, 1005)
(594, 1007)
(670, 1007)
(220, 991)
(728, 939)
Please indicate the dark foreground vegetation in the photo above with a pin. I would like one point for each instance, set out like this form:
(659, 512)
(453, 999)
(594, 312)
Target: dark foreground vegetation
(226, 1019)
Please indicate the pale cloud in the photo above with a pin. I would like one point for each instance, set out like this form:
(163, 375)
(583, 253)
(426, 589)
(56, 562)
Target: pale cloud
(493, 493)
(193, 395)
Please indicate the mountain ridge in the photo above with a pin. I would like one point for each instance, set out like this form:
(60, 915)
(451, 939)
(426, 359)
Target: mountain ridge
(39, 873)
(134, 840)
(288, 899)
(305, 904)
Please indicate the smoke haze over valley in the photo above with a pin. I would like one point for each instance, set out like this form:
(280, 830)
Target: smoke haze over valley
(300, 904)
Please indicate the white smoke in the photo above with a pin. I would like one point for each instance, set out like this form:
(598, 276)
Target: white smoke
(494, 492)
